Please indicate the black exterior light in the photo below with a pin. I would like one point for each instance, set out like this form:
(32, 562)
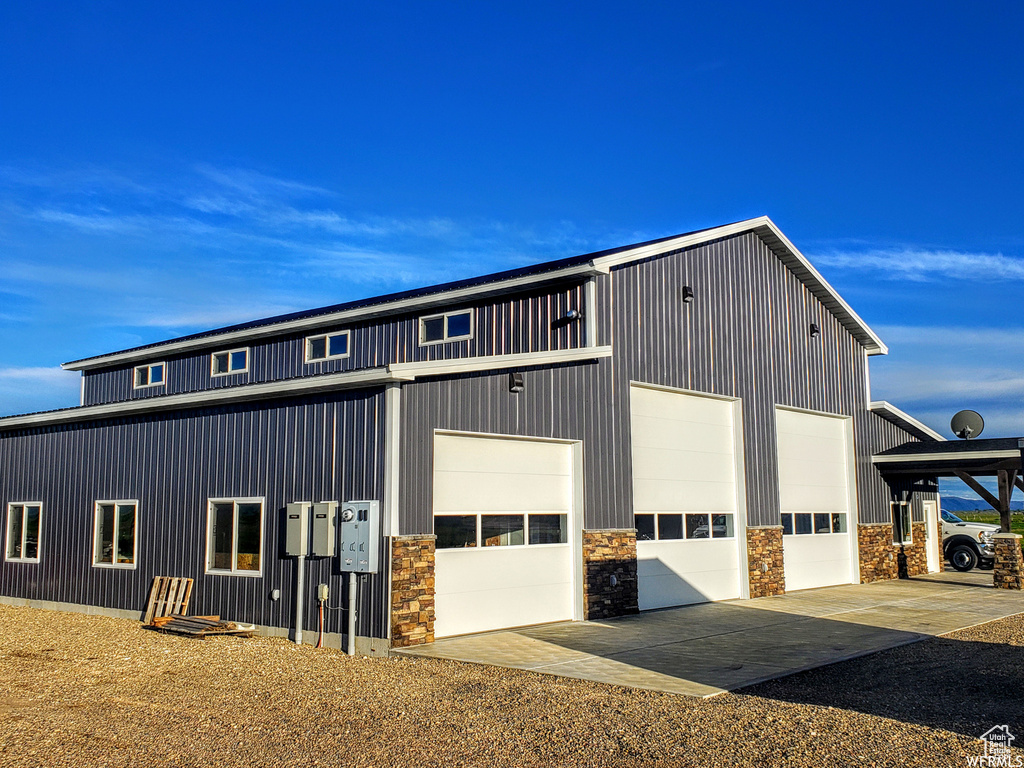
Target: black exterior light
(815, 331)
(686, 294)
(515, 382)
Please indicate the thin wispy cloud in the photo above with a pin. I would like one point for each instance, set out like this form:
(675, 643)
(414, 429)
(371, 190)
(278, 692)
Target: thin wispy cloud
(922, 264)
(101, 261)
(27, 389)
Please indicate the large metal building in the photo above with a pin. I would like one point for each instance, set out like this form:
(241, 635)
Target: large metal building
(671, 422)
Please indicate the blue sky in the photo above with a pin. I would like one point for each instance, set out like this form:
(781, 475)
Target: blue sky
(166, 169)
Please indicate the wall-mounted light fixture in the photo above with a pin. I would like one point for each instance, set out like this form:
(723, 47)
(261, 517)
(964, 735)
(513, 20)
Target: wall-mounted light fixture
(815, 331)
(571, 316)
(515, 382)
(686, 294)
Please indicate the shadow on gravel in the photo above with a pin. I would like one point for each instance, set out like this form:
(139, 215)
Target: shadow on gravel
(956, 685)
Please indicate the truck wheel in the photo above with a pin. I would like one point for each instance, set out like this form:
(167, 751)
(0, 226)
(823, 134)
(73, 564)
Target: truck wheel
(963, 557)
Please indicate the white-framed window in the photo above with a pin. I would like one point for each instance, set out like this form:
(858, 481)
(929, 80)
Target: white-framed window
(448, 326)
(234, 536)
(327, 346)
(806, 523)
(149, 375)
(229, 361)
(902, 527)
(667, 526)
(24, 520)
(500, 530)
(115, 539)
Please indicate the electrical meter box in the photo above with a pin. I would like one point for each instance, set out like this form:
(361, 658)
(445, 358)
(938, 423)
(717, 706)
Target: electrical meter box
(360, 536)
(324, 528)
(296, 529)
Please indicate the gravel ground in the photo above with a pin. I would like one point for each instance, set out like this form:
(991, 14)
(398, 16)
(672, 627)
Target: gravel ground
(88, 691)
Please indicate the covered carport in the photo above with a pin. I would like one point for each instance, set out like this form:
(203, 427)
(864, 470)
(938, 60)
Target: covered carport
(1002, 458)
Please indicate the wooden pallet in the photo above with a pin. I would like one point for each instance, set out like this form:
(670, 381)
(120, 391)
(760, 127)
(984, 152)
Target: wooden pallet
(201, 626)
(169, 595)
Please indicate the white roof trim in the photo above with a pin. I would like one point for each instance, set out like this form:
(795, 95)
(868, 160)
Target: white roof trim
(410, 371)
(956, 456)
(762, 226)
(308, 385)
(902, 419)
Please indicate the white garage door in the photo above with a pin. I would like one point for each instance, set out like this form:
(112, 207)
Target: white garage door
(684, 498)
(814, 494)
(503, 521)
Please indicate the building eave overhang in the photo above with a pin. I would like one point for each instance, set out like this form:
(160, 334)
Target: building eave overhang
(904, 421)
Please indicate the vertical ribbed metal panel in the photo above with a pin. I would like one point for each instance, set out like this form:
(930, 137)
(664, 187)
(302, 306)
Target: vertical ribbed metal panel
(880, 435)
(746, 334)
(310, 449)
(505, 325)
(564, 402)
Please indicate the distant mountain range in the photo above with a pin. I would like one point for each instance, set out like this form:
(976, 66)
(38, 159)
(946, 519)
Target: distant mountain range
(960, 504)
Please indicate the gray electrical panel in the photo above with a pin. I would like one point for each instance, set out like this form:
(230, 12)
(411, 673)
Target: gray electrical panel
(296, 529)
(360, 536)
(324, 531)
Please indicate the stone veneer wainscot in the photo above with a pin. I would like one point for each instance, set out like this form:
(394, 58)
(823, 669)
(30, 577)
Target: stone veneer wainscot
(412, 590)
(877, 553)
(765, 564)
(1008, 571)
(914, 556)
(609, 573)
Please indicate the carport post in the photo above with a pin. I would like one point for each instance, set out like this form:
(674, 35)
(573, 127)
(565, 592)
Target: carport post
(1008, 571)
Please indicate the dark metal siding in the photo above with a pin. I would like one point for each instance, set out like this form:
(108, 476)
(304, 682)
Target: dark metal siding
(882, 435)
(746, 334)
(505, 325)
(317, 448)
(564, 402)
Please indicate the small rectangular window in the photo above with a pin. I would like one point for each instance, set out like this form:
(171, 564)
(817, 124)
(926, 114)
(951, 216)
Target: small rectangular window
(822, 523)
(722, 526)
(114, 541)
(804, 523)
(787, 524)
(670, 526)
(548, 529)
(149, 375)
(644, 527)
(231, 361)
(502, 530)
(23, 522)
(451, 326)
(697, 527)
(838, 522)
(327, 346)
(901, 522)
(235, 537)
(455, 531)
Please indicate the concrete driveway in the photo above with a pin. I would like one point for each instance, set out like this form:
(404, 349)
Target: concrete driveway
(703, 650)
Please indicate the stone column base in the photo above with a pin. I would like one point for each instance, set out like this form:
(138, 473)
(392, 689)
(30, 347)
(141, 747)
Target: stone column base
(915, 555)
(609, 573)
(766, 570)
(877, 553)
(412, 590)
(1008, 572)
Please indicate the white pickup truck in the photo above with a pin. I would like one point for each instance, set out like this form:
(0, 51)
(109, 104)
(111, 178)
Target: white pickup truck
(967, 544)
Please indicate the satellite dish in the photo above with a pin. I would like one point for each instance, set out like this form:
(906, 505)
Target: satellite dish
(967, 424)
